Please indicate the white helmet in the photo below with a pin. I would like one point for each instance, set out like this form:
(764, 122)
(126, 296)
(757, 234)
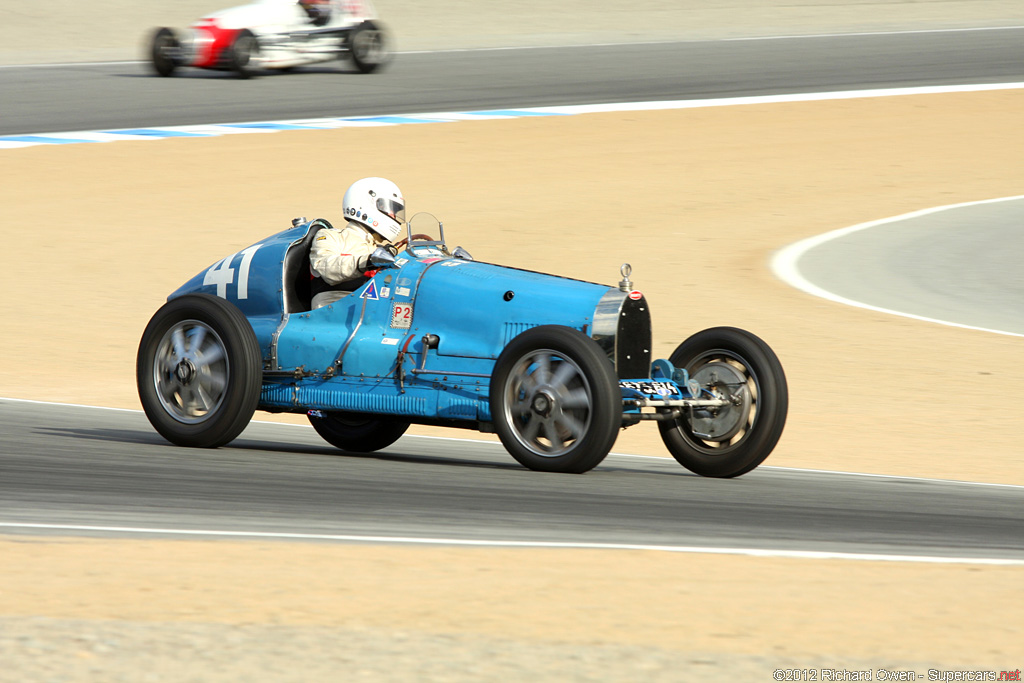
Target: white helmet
(318, 10)
(378, 204)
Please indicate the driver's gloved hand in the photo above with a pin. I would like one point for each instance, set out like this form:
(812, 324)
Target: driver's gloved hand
(381, 257)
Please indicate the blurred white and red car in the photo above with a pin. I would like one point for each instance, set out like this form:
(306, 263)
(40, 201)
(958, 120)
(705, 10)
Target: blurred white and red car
(275, 34)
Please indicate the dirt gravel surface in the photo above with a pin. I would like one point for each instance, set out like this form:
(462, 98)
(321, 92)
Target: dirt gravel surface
(697, 200)
(124, 610)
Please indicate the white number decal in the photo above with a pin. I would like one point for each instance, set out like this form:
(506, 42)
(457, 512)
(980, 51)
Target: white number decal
(243, 271)
(222, 274)
(401, 316)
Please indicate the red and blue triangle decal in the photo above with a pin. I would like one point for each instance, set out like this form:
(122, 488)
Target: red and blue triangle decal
(370, 292)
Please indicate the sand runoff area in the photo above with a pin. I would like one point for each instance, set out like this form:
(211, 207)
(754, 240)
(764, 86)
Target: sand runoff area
(698, 201)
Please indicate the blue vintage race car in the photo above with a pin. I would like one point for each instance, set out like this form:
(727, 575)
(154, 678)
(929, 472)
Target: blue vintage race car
(555, 366)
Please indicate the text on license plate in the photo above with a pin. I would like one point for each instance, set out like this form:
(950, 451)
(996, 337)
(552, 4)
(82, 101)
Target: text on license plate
(651, 388)
(401, 315)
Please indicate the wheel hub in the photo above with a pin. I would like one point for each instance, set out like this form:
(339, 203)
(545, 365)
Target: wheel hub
(723, 381)
(548, 403)
(185, 372)
(191, 372)
(542, 404)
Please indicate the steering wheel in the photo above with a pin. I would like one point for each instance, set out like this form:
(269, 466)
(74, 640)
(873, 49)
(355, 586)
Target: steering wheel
(419, 236)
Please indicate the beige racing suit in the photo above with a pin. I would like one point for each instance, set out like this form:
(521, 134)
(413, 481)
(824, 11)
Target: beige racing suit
(337, 261)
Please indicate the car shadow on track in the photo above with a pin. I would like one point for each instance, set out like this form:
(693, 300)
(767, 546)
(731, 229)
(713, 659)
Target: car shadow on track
(103, 434)
(148, 438)
(501, 461)
(219, 74)
(383, 456)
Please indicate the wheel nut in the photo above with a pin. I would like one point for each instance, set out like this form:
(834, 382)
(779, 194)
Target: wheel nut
(541, 404)
(185, 372)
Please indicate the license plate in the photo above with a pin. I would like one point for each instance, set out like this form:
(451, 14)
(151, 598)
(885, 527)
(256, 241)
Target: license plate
(652, 388)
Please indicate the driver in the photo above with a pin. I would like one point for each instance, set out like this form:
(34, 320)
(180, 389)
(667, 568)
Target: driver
(339, 257)
(319, 11)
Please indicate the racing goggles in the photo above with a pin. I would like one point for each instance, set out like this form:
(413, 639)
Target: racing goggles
(391, 207)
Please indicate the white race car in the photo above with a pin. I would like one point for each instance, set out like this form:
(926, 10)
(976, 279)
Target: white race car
(275, 34)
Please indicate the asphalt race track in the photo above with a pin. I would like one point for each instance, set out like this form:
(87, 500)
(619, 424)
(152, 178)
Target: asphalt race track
(959, 265)
(66, 465)
(63, 465)
(126, 95)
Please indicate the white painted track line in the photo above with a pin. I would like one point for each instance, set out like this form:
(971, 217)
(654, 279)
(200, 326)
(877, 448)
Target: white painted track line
(458, 542)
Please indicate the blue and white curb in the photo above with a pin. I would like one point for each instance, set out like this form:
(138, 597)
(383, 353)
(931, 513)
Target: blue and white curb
(215, 130)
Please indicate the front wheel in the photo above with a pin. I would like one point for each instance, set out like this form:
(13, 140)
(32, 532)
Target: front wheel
(368, 45)
(555, 400)
(199, 371)
(356, 432)
(733, 439)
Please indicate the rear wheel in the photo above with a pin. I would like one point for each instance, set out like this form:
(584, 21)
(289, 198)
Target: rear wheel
(357, 432)
(163, 52)
(199, 371)
(368, 45)
(733, 439)
(243, 53)
(555, 400)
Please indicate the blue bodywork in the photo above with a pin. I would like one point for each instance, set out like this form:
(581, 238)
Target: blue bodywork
(419, 339)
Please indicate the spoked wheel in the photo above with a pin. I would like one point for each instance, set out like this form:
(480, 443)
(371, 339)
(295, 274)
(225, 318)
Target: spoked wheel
(368, 45)
(733, 439)
(555, 400)
(243, 54)
(357, 432)
(164, 52)
(199, 371)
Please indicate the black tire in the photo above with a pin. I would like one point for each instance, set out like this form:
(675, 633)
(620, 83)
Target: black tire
(357, 432)
(199, 371)
(737, 438)
(555, 400)
(369, 47)
(244, 49)
(163, 52)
